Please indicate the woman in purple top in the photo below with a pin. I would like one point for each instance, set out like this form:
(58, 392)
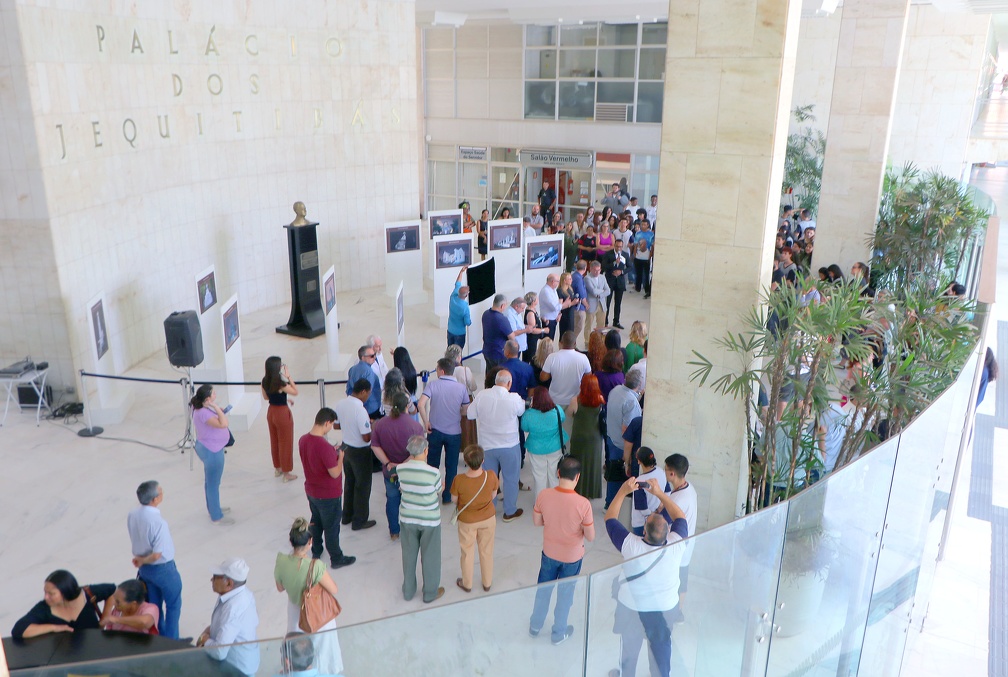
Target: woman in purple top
(611, 373)
(212, 436)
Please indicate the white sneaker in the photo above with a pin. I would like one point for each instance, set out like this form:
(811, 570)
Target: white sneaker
(223, 521)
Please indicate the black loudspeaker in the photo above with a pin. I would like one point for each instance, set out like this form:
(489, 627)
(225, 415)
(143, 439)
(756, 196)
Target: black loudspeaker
(184, 339)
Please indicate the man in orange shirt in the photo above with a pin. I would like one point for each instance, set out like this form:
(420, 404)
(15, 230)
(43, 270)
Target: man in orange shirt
(566, 518)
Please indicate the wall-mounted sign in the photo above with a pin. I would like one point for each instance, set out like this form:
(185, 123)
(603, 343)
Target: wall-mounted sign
(477, 153)
(558, 158)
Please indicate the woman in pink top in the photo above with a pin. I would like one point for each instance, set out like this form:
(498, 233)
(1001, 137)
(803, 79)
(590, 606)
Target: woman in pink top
(605, 241)
(212, 436)
(128, 611)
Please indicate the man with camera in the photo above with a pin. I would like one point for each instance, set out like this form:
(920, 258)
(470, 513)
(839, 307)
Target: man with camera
(647, 592)
(615, 199)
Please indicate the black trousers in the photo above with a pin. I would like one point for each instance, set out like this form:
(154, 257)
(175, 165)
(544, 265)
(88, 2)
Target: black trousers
(642, 268)
(325, 521)
(357, 485)
(617, 294)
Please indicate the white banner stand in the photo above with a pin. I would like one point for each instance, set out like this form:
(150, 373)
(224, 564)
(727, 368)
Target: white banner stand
(245, 404)
(540, 250)
(400, 314)
(404, 260)
(333, 364)
(113, 396)
(212, 368)
(504, 245)
(437, 223)
(474, 339)
(455, 252)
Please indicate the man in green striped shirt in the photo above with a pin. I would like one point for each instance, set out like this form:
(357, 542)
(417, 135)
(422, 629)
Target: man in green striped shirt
(420, 521)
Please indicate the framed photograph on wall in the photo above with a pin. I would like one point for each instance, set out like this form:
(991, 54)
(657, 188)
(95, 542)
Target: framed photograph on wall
(206, 289)
(330, 292)
(446, 224)
(231, 332)
(542, 255)
(100, 330)
(402, 239)
(505, 236)
(454, 253)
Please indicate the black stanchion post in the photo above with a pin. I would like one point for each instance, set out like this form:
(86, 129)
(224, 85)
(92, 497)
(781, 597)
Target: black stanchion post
(90, 431)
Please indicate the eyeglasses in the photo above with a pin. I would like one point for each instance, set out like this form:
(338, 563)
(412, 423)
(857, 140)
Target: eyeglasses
(371, 356)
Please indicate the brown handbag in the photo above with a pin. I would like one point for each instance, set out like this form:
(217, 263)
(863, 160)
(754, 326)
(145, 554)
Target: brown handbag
(318, 607)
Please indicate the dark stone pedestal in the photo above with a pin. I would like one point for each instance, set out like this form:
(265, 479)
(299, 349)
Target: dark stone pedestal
(307, 318)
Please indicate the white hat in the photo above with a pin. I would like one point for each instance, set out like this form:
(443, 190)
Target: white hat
(234, 568)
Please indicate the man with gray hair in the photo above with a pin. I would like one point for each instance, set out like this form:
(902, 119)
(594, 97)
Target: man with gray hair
(420, 521)
(598, 291)
(622, 407)
(154, 556)
(496, 412)
(550, 306)
(496, 331)
(378, 366)
(231, 635)
(516, 318)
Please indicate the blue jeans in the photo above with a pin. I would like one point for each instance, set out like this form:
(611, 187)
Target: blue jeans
(437, 440)
(456, 340)
(164, 587)
(506, 463)
(213, 469)
(393, 497)
(553, 570)
(325, 522)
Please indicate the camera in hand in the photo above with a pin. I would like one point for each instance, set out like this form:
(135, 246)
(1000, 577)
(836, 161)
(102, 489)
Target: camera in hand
(642, 485)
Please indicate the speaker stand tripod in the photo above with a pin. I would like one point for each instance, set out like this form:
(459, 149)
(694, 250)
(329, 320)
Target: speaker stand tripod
(188, 440)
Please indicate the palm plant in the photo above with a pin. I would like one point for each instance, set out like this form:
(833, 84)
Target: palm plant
(925, 222)
(787, 344)
(803, 161)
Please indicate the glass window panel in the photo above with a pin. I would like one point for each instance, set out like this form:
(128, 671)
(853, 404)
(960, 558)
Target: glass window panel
(540, 64)
(540, 100)
(473, 182)
(615, 92)
(649, 101)
(442, 177)
(645, 163)
(616, 63)
(579, 36)
(504, 181)
(439, 151)
(652, 64)
(618, 34)
(577, 100)
(654, 34)
(577, 63)
(540, 36)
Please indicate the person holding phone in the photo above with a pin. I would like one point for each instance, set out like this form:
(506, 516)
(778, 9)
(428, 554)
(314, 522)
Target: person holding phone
(645, 503)
(276, 386)
(212, 435)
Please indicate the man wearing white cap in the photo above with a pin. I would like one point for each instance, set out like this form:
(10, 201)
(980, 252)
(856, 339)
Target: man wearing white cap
(234, 618)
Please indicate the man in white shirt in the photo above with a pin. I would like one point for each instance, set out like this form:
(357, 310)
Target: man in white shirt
(496, 412)
(353, 420)
(378, 366)
(652, 210)
(550, 306)
(566, 367)
(685, 496)
(647, 590)
(598, 291)
(231, 635)
(528, 230)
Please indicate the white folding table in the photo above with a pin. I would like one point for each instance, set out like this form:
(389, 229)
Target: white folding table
(37, 379)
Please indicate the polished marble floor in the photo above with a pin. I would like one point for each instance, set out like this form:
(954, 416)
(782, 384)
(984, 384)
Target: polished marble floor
(64, 499)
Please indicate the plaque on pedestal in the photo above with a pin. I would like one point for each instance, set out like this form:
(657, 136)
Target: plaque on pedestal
(307, 317)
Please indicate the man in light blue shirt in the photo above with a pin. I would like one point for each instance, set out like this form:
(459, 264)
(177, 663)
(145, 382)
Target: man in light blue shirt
(458, 312)
(516, 317)
(366, 355)
(154, 556)
(231, 635)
